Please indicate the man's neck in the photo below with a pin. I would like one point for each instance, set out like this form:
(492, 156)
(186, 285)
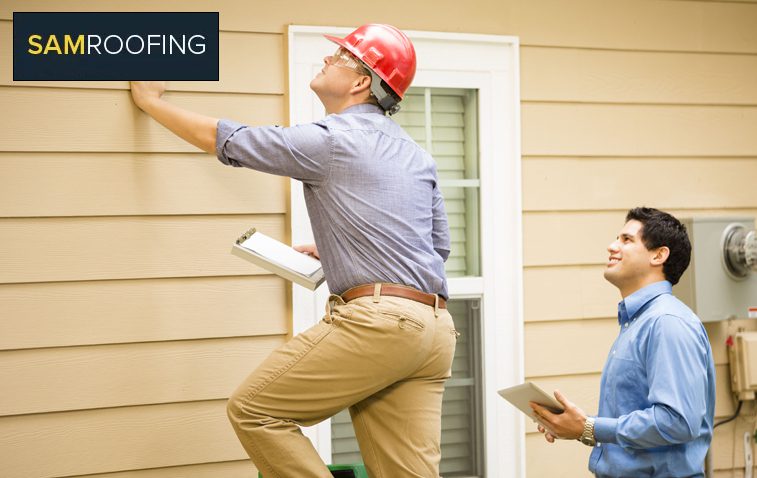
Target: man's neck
(341, 106)
(629, 289)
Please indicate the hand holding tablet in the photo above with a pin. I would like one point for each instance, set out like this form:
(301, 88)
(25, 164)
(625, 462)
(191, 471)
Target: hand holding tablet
(521, 395)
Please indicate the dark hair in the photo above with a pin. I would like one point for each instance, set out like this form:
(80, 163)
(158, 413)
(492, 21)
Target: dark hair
(661, 229)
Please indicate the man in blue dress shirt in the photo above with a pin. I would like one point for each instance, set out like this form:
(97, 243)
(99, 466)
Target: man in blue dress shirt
(657, 392)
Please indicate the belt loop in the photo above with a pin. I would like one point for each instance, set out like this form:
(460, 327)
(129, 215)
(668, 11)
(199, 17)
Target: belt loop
(377, 292)
(436, 305)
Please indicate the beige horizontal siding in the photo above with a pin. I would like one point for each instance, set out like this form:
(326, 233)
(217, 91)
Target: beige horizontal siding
(564, 458)
(545, 342)
(76, 378)
(561, 238)
(667, 26)
(117, 439)
(585, 184)
(566, 293)
(581, 237)
(239, 58)
(682, 26)
(64, 184)
(126, 319)
(574, 129)
(68, 249)
(112, 122)
(57, 314)
(568, 74)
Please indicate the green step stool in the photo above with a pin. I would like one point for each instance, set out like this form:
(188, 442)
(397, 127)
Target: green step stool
(355, 470)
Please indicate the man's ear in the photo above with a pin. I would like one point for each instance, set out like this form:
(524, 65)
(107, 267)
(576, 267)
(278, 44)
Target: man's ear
(660, 255)
(362, 83)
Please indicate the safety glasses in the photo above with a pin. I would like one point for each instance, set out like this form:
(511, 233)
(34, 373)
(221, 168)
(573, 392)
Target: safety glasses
(345, 59)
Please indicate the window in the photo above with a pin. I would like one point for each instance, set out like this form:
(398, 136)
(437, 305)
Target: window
(443, 121)
(465, 109)
(462, 411)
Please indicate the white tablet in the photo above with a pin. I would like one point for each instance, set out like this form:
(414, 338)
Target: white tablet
(520, 395)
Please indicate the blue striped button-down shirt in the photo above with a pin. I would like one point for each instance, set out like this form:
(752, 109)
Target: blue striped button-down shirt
(657, 394)
(372, 194)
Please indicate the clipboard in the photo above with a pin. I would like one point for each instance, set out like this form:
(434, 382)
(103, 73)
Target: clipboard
(520, 395)
(279, 258)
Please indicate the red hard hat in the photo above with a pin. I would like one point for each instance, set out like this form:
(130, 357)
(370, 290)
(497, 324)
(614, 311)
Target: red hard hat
(386, 51)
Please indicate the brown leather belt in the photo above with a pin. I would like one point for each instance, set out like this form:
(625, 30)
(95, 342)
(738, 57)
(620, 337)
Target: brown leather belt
(394, 290)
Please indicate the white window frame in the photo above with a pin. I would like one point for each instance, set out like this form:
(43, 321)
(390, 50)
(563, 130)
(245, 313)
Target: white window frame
(489, 64)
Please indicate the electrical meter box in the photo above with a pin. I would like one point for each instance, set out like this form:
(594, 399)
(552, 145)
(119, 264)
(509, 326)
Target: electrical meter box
(720, 282)
(743, 359)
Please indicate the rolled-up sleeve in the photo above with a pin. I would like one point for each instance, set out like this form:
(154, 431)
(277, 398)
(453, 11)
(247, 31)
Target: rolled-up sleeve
(301, 152)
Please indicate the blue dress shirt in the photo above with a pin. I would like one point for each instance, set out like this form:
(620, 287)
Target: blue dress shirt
(372, 194)
(657, 393)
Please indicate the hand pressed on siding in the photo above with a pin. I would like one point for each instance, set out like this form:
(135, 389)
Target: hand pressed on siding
(309, 249)
(143, 92)
(197, 129)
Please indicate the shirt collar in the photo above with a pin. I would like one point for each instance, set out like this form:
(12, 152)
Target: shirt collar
(630, 306)
(362, 108)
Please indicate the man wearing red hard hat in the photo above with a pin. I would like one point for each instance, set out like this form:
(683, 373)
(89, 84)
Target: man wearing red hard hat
(389, 57)
(385, 345)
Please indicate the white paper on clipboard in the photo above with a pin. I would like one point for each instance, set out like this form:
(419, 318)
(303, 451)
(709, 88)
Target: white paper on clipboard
(279, 258)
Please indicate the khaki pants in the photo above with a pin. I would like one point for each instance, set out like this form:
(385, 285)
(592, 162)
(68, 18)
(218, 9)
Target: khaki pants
(386, 358)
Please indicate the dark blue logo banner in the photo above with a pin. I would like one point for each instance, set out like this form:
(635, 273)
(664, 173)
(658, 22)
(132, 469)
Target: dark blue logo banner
(98, 46)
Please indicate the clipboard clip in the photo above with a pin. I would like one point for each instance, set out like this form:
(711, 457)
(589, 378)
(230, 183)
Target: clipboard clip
(246, 235)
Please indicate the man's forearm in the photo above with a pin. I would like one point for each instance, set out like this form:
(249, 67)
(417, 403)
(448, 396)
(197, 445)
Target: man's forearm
(197, 129)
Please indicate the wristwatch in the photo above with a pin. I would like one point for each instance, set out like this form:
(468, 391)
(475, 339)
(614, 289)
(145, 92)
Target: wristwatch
(587, 437)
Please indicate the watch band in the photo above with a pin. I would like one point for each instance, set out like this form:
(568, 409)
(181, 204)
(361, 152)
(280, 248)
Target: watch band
(587, 437)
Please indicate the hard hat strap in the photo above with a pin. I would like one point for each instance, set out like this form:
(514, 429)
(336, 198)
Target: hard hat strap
(386, 99)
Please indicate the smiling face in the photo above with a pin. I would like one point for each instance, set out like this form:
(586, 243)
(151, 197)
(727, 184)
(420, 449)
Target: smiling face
(630, 265)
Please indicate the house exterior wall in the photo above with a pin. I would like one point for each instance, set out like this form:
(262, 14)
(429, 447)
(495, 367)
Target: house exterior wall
(125, 322)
